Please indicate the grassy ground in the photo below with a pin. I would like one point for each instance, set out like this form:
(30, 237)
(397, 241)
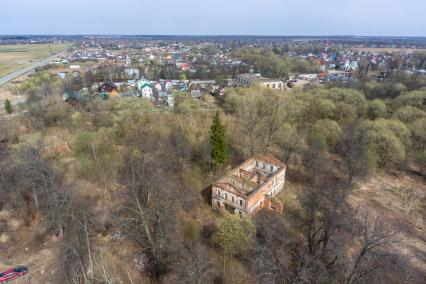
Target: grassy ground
(8, 68)
(13, 57)
(400, 198)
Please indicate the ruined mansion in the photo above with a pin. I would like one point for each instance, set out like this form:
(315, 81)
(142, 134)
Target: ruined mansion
(250, 186)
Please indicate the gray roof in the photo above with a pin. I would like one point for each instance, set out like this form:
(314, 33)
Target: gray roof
(196, 93)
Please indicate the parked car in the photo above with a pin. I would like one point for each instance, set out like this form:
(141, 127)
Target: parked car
(13, 273)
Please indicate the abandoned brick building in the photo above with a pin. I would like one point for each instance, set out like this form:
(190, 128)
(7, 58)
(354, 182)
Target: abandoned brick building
(250, 187)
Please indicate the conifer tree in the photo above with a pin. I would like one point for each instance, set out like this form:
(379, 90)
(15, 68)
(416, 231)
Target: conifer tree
(219, 153)
(8, 106)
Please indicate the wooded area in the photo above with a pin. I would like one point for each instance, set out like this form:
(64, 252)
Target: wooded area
(123, 168)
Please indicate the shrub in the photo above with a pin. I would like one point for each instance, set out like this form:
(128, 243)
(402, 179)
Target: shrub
(8, 106)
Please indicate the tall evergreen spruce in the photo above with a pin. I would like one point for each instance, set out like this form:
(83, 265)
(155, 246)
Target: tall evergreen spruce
(219, 152)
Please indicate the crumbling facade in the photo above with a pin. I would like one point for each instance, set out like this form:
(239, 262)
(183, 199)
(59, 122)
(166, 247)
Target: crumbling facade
(250, 187)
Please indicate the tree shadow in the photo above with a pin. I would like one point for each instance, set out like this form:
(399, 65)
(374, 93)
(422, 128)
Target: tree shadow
(206, 194)
(296, 176)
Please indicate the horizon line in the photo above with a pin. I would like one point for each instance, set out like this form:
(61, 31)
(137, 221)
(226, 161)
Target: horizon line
(220, 35)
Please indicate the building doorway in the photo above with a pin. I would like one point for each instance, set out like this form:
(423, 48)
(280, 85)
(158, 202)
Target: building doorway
(229, 208)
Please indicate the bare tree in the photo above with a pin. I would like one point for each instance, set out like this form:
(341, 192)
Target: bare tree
(273, 121)
(76, 247)
(292, 145)
(89, 79)
(251, 115)
(180, 145)
(103, 271)
(315, 160)
(274, 251)
(377, 246)
(197, 267)
(356, 156)
(49, 195)
(409, 197)
(3, 139)
(150, 210)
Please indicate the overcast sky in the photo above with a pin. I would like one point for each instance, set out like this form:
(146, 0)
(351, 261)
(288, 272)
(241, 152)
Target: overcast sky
(214, 17)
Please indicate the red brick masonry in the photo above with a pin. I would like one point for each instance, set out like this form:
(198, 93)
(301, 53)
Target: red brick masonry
(250, 186)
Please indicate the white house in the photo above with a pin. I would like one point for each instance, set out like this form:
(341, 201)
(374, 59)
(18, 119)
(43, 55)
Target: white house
(145, 89)
(158, 87)
(170, 100)
(168, 86)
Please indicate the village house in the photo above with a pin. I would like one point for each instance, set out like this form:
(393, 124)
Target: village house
(168, 85)
(250, 186)
(131, 73)
(196, 94)
(145, 89)
(108, 88)
(248, 80)
(334, 75)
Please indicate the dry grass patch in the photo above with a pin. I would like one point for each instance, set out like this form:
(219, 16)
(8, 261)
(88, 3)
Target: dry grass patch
(400, 198)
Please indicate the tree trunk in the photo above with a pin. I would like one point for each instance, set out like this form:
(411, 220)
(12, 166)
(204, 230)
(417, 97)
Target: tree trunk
(35, 198)
(89, 251)
(224, 267)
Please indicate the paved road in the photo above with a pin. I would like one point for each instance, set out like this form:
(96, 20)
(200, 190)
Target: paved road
(26, 70)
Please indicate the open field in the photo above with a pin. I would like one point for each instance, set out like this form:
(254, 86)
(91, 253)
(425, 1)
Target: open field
(6, 68)
(384, 49)
(13, 57)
